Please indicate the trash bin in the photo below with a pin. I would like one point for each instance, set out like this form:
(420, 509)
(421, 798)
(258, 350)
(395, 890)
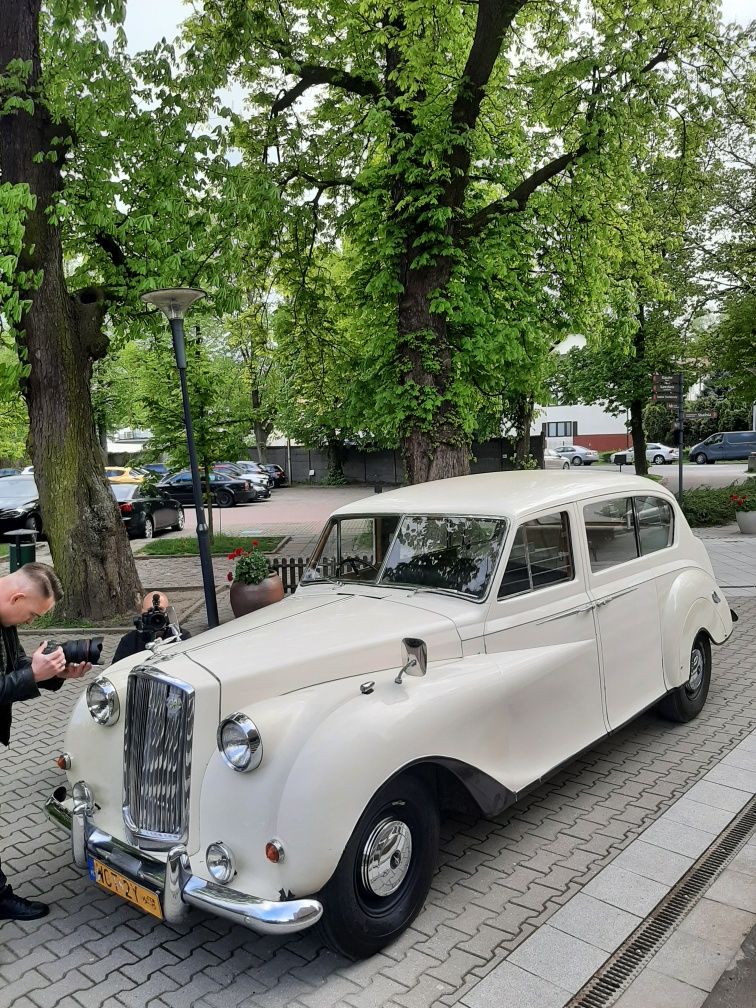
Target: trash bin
(23, 548)
(620, 458)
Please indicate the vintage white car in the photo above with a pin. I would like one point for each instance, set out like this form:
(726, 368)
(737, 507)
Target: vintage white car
(454, 640)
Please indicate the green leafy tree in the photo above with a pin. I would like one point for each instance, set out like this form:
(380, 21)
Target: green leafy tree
(467, 152)
(106, 164)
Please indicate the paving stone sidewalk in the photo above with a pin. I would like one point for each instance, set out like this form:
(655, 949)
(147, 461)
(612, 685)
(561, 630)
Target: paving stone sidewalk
(499, 881)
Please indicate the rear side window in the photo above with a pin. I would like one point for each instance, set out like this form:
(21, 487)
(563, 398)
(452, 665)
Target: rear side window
(610, 528)
(655, 524)
(541, 556)
(625, 528)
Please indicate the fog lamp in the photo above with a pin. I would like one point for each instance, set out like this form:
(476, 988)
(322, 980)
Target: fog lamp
(220, 862)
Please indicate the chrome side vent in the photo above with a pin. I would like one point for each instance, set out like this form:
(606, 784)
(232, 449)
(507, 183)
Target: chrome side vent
(157, 758)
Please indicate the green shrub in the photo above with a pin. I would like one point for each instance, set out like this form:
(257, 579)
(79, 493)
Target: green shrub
(705, 506)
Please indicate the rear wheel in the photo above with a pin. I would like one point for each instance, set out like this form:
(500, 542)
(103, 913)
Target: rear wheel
(224, 499)
(687, 701)
(658, 460)
(179, 524)
(385, 872)
(147, 530)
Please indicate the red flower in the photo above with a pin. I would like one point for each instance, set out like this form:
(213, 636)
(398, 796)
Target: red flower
(230, 576)
(230, 556)
(255, 542)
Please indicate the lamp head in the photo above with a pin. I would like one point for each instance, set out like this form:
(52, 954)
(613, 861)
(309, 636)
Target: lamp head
(174, 302)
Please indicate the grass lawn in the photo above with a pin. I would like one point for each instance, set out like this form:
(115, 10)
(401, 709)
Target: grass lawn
(220, 545)
(3, 549)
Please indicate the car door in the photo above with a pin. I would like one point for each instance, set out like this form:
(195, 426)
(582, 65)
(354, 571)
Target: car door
(621, 585)
(541, 612)
(180, 487)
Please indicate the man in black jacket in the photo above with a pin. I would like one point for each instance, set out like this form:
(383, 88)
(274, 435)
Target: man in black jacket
(154, 622)
(26, 594)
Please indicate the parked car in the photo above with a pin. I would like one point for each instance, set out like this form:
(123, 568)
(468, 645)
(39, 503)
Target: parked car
(726, 446)
(260, 480)
(146, 509)
(226, 490)
(277, 474)
(461, 637)
(9, 472)
(124, 474)
(159, 468)
(27, 471)
(577, 455)
(552, 460)
(19, 504)
(656, 453)
(248, 467)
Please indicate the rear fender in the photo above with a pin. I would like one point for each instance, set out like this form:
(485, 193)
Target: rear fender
(694, 604)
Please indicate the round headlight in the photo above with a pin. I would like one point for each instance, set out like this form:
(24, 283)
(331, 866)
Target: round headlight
(102, 701)
(220, 862)
(239, 743)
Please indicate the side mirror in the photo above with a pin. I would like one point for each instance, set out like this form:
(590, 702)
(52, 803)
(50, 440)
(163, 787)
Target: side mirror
(416, 663)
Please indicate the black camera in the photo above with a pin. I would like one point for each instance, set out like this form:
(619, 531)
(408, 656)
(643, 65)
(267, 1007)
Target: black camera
(76, 651)
(154, 622)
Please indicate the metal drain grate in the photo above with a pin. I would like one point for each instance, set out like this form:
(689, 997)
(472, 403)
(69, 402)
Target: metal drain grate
(617, 973)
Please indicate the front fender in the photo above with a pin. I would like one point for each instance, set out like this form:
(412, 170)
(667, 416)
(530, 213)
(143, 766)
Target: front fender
(328, 748)
(689, 608)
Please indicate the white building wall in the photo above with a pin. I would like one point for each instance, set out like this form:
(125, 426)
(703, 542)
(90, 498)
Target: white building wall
(590, 420)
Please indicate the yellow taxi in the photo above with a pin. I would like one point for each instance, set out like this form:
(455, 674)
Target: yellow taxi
(124, 474)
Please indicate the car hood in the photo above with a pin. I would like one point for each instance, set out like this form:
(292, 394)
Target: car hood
(302, 641)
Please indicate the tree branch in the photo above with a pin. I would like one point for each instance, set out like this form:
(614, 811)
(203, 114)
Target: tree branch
(310, 76)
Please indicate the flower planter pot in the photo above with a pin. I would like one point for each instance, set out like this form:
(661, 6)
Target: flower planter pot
(246, 598)
(746, 522)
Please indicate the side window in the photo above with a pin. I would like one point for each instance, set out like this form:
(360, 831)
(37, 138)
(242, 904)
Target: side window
(610, 529)
(655, 526)
(541, 556)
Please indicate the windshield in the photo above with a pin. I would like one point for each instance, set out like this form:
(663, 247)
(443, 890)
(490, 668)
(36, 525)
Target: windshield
(441, 553)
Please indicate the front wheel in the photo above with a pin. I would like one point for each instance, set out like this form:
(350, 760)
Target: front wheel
(687, 701)
(566, 465)
(180, 520)
(385, 872)
(700, 459)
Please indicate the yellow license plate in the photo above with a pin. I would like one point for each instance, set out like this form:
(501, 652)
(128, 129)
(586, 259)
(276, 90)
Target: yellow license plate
(132, 892)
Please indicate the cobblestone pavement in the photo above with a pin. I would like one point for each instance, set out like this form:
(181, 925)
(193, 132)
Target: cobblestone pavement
(498, 879)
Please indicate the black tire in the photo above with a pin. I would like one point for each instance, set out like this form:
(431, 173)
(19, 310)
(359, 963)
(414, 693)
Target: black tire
(224, 498)
(576, 460)
(687, 701)
(147, 528)
(658, 460)
(179, 525)
(700, 459)
(357, 921)
(33, 523)
(566, 465)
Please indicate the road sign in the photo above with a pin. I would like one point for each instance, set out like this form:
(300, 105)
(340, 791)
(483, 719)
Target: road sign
(666, 389)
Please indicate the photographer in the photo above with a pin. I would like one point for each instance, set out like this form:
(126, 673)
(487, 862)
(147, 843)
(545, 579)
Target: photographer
(25, 595)
(156, 621)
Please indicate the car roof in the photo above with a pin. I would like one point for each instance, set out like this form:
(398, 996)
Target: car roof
(508, 494)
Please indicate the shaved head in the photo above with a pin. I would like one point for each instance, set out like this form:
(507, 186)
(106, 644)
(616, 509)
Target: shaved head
(147, 601)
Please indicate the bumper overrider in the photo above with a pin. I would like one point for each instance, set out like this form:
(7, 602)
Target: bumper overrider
(172, 879)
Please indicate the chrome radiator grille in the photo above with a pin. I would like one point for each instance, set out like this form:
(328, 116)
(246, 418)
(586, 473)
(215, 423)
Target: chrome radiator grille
(157, 758)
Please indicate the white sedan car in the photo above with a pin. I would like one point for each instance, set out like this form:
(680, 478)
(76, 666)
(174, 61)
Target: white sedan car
(450, 642)
(657, 454)
(578, 455)
(552, 460)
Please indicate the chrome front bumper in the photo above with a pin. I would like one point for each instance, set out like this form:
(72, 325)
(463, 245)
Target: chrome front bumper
(172, 879)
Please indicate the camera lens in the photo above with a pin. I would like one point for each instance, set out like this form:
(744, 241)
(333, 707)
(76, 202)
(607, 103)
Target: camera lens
(83, 650)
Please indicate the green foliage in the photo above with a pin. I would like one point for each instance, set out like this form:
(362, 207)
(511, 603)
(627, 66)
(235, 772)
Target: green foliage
(744, 496)
(222, 543)
(706, 506)
(14, 428)
(250, 565)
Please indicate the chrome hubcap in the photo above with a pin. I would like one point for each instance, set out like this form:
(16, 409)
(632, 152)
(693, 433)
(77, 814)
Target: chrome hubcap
(696, 670)
(386, 857)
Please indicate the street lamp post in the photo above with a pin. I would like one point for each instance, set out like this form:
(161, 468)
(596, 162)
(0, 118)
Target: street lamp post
(174, 303)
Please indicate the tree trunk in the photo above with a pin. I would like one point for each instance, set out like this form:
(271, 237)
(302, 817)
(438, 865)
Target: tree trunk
(438, 447)
(523, 420)
(262, 430)
(60, 335)
(639, 437)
